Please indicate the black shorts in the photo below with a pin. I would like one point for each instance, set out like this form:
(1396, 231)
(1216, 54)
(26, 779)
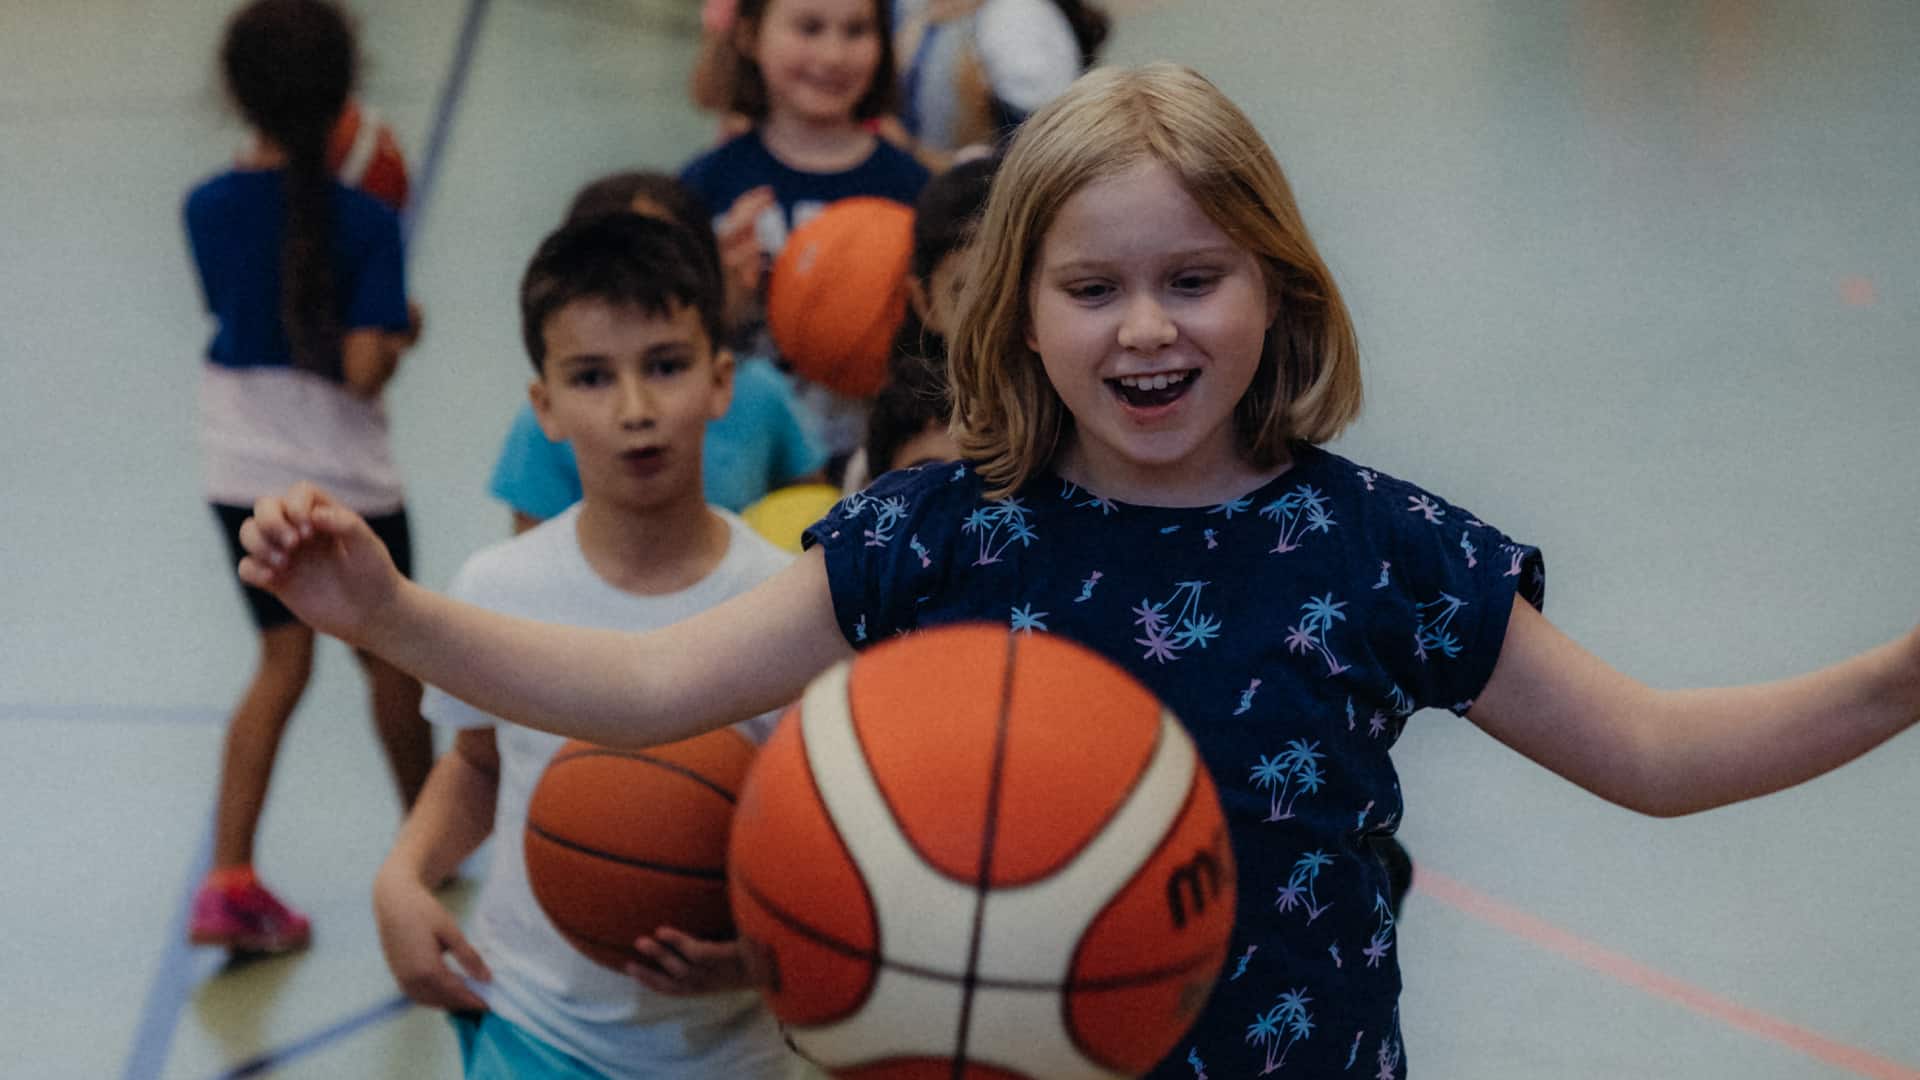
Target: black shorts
(268, 612)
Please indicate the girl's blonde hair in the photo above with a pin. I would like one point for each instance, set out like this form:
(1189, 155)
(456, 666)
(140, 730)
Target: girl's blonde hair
(1007, 417)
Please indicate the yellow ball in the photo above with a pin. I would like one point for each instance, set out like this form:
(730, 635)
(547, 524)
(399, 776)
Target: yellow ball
(781, 516)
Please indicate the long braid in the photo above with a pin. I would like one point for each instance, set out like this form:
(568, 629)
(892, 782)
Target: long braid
(290, 65)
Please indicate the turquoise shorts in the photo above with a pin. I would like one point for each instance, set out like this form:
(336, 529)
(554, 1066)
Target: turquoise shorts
(493, 1049)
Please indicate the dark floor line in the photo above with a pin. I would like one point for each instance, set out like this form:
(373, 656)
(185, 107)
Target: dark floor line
(175, 978)
(262, 1064)
(448, 106)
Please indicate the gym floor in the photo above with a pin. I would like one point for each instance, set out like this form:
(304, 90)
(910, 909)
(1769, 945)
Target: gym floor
(1636, 280)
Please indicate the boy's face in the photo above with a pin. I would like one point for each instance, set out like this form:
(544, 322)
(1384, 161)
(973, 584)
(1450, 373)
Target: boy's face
(633, 393)
(937, 299)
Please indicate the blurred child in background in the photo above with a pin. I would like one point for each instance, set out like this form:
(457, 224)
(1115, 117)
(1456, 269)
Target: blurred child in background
(305, 280)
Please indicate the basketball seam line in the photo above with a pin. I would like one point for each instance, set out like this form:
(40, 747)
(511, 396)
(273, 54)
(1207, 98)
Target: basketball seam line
(873, 956)
(625, 860)
(983, 883)
(634, 755)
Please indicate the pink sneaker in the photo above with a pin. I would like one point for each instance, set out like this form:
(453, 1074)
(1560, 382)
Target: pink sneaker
(246, 919)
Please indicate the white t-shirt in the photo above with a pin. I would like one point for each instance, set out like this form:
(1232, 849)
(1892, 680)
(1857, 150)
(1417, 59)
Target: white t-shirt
(540, 982)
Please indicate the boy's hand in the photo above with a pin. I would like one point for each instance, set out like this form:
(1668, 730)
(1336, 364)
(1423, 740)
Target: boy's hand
(416, 933)
(320, 559)
(680, 964)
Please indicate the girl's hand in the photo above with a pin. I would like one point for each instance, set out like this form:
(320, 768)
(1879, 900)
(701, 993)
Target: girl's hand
(681, 964)
(742, 259)
(416, 934)
(320, 559)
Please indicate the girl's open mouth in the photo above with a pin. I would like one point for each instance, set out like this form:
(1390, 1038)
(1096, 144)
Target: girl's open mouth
(1155, 390)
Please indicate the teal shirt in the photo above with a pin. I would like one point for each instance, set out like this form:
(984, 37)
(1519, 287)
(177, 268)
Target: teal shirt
(756, 447)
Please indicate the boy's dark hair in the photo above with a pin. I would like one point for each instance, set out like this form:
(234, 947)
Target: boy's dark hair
(914, 397)
(616, 193)
(289, 65)
(948, 209)
(624, 260)
(749, 94)
(1090, 27)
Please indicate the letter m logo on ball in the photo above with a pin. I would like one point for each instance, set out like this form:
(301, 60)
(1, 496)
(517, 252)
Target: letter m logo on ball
(984, 855)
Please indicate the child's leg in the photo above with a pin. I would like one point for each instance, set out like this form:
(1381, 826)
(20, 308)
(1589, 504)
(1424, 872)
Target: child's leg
(404, 734)
(253, 739)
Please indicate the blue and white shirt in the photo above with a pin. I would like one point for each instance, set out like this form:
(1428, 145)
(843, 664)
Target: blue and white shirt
(265, 424)
(1294, 630)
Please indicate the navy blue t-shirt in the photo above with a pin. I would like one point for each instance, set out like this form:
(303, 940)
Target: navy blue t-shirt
(235, 222)
(740, 164)
(1293, 630)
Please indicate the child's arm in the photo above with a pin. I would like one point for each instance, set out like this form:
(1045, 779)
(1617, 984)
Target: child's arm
(453, 815)
(369, 358)
(750, 655)
(679, 964)
(1673, 752)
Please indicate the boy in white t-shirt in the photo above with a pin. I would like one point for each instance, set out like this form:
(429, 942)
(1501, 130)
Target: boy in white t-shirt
(622, 319)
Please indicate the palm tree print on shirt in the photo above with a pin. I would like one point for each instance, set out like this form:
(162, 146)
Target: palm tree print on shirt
(1382, 939)
(1299, 891)
(1431, 631)
(1028, 620)
(1003, 523)
(1320, 613)
(1167, 638)
(1276, 1030)
(1300, 761)
(1300, 511)
(886, 513)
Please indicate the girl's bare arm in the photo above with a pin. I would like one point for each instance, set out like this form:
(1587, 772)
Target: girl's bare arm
(1673, 752)
(751, 654)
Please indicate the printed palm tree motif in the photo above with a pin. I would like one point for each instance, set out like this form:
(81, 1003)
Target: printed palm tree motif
(1516, 557)
(1388, 1060)
(1350, 717)
(1167, 638)
(1071, 491)
(1299, 761)
(1367, 477)
(1430, 632)
(1233, 506)
(920, 549)
(1212, 538)
(1466, 545)
(1289, 1014)
(1246, 698)
(1300, 511)
(1199, 1067)
(1334, 951)
(1384, 568)
(887, 513)
(1241, 968)
(1299, 891)
(1376, 724)
(1382, 938)
(1423, 505)
(959, 474)
(1353, 1054)
(1028, 620)
(1321, 612)
(989, 521)
(860, 628)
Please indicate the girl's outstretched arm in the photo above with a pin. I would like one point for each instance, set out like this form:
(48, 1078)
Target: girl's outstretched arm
(753, 653)
(1673, 752)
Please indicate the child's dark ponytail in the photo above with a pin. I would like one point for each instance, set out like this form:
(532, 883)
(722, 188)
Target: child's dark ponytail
(289, 65)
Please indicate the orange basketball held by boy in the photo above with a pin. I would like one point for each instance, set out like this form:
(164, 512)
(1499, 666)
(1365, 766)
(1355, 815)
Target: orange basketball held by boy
(838, 293)
(622, 842)
(981, 853)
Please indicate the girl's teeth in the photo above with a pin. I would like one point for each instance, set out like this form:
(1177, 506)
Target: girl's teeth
(1158, 381)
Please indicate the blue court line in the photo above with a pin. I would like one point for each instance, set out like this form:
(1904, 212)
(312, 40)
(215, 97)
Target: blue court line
(263, 1063)
(173, 983)
(175, 979)
(450, 94)
(112, 714)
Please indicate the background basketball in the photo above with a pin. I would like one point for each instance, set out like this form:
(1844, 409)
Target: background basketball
(838, 293)
(983, 854)
(782, 515)
(621, 842)
(364, 154)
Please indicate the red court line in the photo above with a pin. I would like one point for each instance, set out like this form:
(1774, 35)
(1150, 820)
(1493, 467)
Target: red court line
(1624, 969)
